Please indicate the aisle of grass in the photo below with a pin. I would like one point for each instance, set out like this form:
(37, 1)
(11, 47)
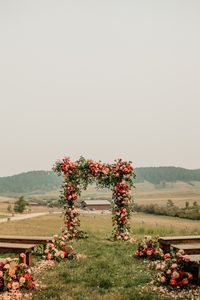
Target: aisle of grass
(108, 272)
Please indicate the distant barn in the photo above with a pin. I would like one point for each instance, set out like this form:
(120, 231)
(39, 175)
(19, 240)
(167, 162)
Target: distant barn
(96, 204)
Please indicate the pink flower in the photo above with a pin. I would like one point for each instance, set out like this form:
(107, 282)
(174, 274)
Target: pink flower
(15, 285)
(158, 266)
(186, 258)
(174, 266)
(126, 237)
(163, 279)
(49, 256)
(137, 253)
(149, 252)
(22, 255)
(132, 240)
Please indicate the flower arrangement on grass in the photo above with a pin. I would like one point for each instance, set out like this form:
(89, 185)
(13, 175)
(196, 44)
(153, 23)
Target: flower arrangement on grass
(59, 249)
(77, 175)
(148, 248)
(173, 270)
(15, 276)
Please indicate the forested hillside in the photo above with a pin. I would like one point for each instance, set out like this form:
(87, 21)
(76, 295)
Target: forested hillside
(157, 175)
(46, 180)
(30, 182)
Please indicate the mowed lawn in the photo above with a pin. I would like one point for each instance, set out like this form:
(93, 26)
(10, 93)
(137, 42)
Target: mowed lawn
(109, 270)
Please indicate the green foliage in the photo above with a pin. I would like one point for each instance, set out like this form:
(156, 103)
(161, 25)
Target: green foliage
(20, 205)
(188, 212)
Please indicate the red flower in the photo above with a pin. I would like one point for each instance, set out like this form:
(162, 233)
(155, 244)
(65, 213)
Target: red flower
(29, 285)
(173, 281)
(27, 276)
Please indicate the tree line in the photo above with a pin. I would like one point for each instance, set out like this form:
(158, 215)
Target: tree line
(188, 212)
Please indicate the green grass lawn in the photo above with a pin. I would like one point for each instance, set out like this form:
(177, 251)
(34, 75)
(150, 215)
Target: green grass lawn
(109, 270)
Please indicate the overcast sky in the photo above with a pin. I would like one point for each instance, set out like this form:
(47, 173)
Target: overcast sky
(103, 79)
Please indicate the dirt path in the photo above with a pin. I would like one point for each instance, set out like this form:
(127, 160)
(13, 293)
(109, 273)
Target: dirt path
(23, 217)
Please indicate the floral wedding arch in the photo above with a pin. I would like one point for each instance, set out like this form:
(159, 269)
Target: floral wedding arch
(77, 175)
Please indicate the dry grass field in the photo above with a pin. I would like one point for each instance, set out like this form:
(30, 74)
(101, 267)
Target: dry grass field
(179, 193)
(101, 223)
(5, 201)
(144, 193)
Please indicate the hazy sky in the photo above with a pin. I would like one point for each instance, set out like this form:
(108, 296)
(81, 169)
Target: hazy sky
(103, 79)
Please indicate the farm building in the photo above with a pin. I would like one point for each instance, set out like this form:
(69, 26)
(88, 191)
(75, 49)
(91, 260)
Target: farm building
(96, 204)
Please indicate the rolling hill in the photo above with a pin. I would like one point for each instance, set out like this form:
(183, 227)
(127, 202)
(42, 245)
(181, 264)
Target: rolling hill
(43, 181)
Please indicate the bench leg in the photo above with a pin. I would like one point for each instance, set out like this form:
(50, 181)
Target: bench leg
(198, 274)
(28, 258)
(164, 247)
(22, 260)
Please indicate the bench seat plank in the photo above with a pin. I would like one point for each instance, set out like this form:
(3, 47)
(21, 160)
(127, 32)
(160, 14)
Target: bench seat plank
(14, 247)
(179, 237)
(166, 241)
(25, 239)
(188, 248)
(195, 258)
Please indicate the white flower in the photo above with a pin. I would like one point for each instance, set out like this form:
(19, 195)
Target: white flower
(22, 280)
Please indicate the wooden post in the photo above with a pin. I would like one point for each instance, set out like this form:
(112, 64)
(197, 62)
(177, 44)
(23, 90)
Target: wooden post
(28, 258)
(164, 247)
(198, 274)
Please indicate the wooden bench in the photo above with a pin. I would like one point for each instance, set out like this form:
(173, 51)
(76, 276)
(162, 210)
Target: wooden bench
(25, 239)
(165, 242)
(188, 248)
(18, 248)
